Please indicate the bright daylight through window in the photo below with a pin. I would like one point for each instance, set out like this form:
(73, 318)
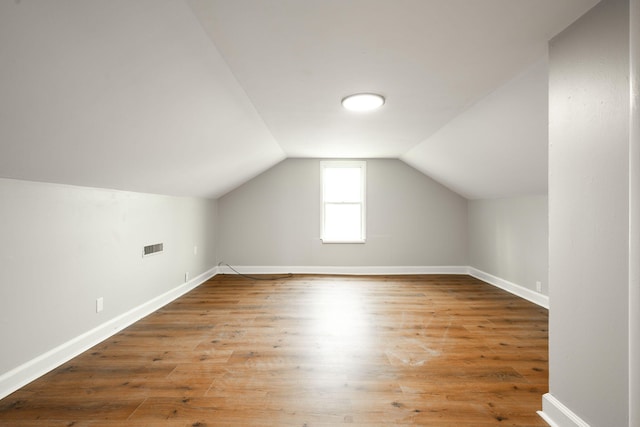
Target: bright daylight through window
(343, 201)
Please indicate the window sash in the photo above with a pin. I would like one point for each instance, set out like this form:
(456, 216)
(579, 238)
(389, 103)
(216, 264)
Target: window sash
(342, 184)
(353, 223)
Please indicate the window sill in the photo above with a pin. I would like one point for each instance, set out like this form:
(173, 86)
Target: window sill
(343, 241)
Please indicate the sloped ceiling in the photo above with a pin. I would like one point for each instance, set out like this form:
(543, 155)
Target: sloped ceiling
(194, 97)
(496, 148)
(123, 94)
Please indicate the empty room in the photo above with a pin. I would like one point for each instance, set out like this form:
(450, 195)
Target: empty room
(317, 213)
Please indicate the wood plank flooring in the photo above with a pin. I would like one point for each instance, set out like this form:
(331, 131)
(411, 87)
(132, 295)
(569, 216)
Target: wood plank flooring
(308, 351)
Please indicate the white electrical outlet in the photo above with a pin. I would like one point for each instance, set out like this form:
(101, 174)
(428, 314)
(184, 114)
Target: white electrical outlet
(186, 277)
(99, 304)
(538, 286)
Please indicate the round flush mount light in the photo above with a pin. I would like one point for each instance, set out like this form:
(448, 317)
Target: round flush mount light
(363, 102)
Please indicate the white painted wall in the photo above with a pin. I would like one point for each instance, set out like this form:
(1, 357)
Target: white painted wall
(63, 247)
(274, 220)
(589, 216)
(508, 238)
(634, 221)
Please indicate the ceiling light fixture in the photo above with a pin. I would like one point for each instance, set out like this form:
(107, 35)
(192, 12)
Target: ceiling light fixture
(363, 102)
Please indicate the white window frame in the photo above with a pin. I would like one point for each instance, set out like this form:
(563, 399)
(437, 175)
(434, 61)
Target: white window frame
(362, 165)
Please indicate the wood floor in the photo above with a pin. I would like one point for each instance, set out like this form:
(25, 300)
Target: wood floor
(308, 351)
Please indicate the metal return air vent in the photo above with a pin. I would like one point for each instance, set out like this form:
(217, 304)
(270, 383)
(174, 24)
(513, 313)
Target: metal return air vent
(152, 249)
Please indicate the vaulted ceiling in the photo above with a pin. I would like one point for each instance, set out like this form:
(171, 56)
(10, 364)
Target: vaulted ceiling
(194, 97)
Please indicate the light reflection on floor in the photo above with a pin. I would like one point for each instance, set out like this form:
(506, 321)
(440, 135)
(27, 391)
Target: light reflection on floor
(340, 320)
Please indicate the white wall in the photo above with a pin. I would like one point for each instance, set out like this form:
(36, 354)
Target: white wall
(634, 220)
(274, 220)
(508, 238)
(63, 247)
(589, 217)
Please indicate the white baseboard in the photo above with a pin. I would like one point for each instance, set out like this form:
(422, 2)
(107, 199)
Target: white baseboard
(557, 415)
(521, 291)
(35, 368)
(363, 270)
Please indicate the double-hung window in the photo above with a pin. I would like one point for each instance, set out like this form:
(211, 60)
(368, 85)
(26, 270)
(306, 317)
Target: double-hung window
(343, 201)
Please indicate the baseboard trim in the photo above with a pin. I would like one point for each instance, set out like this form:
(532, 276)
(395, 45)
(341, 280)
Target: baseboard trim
(35, 368)
(344, 270)
(556, 414)
(521, 291)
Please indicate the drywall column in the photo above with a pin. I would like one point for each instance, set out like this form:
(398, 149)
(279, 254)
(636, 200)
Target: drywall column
(634, 219)
(589, 220)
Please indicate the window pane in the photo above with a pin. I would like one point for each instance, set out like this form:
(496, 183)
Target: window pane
(342, 184)
(342, 222)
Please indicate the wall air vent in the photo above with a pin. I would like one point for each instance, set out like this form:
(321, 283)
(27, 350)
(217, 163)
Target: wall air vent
(152, 249)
